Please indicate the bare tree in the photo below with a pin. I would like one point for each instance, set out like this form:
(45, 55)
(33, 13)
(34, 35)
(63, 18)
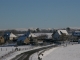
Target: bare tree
(38, 30)
(68, 29)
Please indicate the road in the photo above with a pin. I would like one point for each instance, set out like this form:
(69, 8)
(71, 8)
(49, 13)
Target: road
(26, 55)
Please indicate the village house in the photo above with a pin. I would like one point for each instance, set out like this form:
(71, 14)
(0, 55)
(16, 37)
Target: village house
(23, 39)
(34, 38)
(76, 36)
(29, 38)
(8, 36)
(76, 33)
(2, 40)
(49, 35)
(58, 33)
(44, 38)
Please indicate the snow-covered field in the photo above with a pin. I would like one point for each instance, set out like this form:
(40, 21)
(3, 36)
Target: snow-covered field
(4, 51)
(70, 52)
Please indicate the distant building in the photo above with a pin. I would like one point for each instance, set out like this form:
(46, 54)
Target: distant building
(58, 33)
(32, 35)
(24, 39)
(76, 33)
(49, 35)
(2, 40)
(9, 36)
(33, 38)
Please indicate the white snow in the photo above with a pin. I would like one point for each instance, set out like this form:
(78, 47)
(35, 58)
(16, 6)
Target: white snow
(70, 52)
(5, 51)
(63, 31)
(12, 35)
(33, 35)
(14, 54)
(35, 55)
(48, 34)
(48, 51)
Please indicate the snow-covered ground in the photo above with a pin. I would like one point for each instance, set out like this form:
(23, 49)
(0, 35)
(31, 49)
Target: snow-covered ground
(35, 55)
(5, 51)
(70, 52)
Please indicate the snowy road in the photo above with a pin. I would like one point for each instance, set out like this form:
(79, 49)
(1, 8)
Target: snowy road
(39, 53)
(70, 52)
(26, 55)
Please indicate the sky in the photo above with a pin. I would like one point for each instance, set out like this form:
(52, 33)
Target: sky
(39, 13)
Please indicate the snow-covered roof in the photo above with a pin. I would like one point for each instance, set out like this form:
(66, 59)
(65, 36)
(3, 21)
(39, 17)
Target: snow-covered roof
(24, 36)
(62, 31)
(21, 38)
(38, 34)
(77, 31)
(48, 34)
(12, 35)
(33, 35)
(19, 34)
(9, 34)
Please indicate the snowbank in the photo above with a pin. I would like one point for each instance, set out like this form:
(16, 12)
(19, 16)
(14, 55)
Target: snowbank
(71, 52)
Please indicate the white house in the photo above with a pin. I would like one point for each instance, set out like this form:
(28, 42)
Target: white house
(58, 33)
(9, 36)
(12, 36)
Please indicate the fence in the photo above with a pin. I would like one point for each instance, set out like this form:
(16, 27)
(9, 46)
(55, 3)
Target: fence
(5, 52)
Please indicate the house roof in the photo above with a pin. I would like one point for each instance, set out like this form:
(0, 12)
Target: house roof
(48, 34)
(27, 34)
(62, 31)
(9, 34)
(76, 33)
(23, 37)
(33, 35)
(12, 35)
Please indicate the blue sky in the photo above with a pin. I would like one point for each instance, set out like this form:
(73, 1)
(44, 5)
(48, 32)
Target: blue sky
(39, 13)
